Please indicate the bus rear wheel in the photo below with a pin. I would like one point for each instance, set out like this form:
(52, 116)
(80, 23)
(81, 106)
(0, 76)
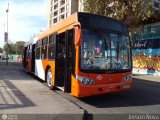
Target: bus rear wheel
(49, 79)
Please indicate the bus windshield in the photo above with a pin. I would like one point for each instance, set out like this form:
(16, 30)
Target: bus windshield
(104, 51)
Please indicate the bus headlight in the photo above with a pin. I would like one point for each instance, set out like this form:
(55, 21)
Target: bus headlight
(127, 78)
(85, 80)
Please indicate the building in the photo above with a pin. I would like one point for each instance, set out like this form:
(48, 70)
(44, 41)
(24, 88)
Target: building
(156, 5)
(146, 44)
(151, 27)
(60, 9)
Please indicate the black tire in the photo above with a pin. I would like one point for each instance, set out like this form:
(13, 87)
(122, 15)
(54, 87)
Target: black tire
(49, 78)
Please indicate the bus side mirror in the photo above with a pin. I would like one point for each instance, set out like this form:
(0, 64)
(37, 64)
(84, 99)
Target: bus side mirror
(78, 33)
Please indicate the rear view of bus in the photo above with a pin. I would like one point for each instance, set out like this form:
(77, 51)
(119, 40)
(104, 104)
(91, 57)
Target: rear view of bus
(103, 60)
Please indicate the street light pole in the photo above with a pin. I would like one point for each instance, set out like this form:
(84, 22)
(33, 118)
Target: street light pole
(7, 35)
(4, 27)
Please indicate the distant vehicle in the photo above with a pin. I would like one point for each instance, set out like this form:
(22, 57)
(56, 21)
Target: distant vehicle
(84, 55)
(4, 58)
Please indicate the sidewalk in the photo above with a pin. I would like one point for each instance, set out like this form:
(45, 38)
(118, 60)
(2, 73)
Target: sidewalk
(154, 78)
(22, 95)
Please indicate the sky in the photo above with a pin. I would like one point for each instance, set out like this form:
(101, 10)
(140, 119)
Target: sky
(26, 18)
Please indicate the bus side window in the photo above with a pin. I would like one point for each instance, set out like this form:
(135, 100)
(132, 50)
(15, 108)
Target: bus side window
(52, 46)
(44, 48)
(61, 46)
(38, 49)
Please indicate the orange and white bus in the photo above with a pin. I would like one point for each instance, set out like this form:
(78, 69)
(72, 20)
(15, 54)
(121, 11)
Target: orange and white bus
(84, 55)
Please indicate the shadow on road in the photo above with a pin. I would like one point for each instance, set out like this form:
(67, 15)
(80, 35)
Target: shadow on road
(15, 69)
(143, 93)
(10, 96)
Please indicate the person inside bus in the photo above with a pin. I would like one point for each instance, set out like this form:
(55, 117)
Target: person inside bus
(88, 58)
(99, 49)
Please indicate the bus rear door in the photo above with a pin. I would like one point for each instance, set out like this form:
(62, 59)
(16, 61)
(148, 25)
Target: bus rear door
(33, 58)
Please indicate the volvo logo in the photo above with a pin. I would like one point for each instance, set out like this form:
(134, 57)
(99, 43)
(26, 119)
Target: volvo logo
(99, 77)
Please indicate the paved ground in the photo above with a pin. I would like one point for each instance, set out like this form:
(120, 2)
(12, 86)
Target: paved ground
(21, 93)
(143, 98)
(152, 78)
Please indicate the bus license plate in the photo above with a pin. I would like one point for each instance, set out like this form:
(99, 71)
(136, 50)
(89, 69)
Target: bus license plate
(125, 86)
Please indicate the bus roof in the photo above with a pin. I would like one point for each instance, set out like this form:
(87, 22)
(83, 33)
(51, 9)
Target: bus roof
(99, 22)
(86, 20)
(61, 26)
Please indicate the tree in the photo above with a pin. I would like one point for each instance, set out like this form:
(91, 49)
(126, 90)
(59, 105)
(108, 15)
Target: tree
(1, 50)
(16, 48)
(19, 47)
(8, 48)
(131, 12)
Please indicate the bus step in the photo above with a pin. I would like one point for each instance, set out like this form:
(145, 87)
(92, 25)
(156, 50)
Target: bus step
(61, 88)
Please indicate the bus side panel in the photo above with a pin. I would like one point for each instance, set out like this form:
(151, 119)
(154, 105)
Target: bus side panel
(41, 67)
(75, 86)
(49, 64)
(39, 70)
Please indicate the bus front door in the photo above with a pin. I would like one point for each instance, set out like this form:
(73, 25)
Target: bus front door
(64, 61)
(69, 46)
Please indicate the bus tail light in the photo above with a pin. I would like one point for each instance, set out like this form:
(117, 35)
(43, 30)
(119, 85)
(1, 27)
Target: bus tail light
(127, 78)
(85, 80)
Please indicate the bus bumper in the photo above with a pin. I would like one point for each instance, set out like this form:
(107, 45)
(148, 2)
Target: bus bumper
(90, 90)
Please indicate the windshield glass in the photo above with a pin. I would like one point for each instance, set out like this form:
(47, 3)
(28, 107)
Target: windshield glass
(104, 51)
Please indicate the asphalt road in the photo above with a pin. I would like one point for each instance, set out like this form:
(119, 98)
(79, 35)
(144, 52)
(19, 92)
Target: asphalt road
(143, 98)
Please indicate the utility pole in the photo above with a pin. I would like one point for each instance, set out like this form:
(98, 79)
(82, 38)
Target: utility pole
(7, 35)
(4, 34)
(4, 27)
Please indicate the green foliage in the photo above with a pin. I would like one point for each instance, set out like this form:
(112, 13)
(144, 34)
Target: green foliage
(131, 12)
(16, 48)
(20, 46)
